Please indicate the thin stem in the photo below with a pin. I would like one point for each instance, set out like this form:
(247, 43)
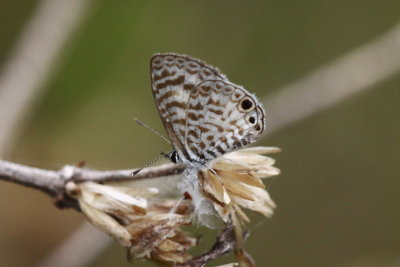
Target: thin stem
(224, 244)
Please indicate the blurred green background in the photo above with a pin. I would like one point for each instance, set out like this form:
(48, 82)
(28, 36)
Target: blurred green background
(338, 194)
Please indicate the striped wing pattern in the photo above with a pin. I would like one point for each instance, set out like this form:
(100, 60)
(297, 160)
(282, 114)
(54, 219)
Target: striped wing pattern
(221, 117)
(203, 113)
(173, 76)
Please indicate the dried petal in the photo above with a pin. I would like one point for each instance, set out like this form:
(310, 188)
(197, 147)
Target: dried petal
(245, 178)
(149, 231)
(106, 223)
(233, 264)
(214, 186)
(262, 203)
(110, 199)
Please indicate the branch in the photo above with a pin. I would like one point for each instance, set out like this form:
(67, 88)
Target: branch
(224, 244)
(50, 182)
(167, 169)
(53, 182)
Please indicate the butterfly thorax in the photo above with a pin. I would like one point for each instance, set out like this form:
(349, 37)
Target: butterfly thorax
(174, 157)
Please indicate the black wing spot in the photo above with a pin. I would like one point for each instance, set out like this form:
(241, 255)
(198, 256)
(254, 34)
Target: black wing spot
(246, 104)
(252, 120)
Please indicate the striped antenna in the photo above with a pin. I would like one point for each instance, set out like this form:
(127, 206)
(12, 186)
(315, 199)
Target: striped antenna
(148, 164)
(151, 129)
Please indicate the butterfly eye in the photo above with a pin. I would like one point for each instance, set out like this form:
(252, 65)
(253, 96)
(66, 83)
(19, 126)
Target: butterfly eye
(246, 104)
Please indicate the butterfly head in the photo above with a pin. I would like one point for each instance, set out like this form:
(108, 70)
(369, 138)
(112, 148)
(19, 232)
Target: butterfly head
(172, 156)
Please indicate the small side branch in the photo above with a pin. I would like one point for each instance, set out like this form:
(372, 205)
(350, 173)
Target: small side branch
(224, 244)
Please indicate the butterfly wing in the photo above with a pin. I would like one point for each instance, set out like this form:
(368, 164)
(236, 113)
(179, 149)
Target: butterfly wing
(221, 117)
(173, 77)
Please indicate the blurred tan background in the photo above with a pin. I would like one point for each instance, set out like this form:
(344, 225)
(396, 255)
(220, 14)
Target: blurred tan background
(339, 192)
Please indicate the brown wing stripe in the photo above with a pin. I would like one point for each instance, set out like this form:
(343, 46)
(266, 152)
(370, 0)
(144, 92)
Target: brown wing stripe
(174, 104)
(203, 129)
(195, 117)
(163, 74)
(188, 86)
(173, 82)
(220, 129)
(220, 150)
(202, 145)
(193, 133)
(205, 88)
(212, 102)
(204, 94)
(168, 95)
(179, 121)
(218, 112)
(197, 107)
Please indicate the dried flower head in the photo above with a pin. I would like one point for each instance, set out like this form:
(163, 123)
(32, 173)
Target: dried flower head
(148, 228)
(148, 223)
(233, 181)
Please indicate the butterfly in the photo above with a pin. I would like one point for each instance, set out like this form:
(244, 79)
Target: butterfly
(204, 114)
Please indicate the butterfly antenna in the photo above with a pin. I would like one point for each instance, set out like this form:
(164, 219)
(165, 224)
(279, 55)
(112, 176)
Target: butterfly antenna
(147, 164)
(151, 129)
